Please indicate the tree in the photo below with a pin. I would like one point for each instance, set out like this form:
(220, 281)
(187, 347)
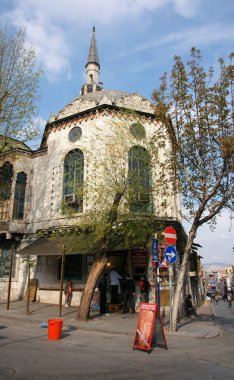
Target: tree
(19, 80)
(113, 184)
(196, 106)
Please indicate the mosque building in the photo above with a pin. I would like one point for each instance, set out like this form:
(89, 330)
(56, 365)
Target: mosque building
(54, 187)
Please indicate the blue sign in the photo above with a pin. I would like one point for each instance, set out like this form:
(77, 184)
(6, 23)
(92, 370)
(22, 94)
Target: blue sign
(170, 254)
(155, 250)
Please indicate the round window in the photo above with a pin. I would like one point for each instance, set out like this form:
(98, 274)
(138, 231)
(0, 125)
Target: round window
(74, 134)
(137, 130)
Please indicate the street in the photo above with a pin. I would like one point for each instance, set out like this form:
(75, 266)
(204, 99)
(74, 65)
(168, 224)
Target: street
(26, 354)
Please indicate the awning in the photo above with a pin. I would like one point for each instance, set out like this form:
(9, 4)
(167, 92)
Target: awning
(41, 247)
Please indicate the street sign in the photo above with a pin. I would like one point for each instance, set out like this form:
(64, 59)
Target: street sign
(170, 235)
(155, 250)
(170, 254)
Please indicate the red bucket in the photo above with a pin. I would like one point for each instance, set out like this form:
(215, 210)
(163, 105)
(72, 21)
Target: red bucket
(54, 329)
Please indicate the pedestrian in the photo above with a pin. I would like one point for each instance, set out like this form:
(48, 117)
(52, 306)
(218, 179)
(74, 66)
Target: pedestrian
(115, 285)
(216, 298)
(128, 287)
(144, 288)
(102, 287)
(229, 298)
(68, 293)
(189, 308)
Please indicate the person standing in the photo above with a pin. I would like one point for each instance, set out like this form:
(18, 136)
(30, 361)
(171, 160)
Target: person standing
(115, 285)
(128, 286)
(144, 287)
(102, 287)
(68, 293)
(229, 299)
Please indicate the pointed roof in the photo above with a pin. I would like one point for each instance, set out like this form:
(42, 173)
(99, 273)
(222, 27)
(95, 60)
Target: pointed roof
(93, 53)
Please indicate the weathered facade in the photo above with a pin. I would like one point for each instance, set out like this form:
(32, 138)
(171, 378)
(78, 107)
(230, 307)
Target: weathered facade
(43, 185)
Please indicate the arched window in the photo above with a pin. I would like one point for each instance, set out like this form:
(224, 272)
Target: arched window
(19, 198)
(73, 180)
(6, 174)
(139, 180)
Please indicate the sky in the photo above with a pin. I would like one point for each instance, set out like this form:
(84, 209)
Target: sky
(136, 41)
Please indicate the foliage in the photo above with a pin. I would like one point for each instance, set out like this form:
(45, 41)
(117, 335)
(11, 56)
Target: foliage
(119, 164)
(19, 80)
(196, 107)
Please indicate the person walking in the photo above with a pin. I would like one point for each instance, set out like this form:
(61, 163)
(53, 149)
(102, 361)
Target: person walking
(216, 298)
(102, 287)
(128, 287)
(115, 285)
(144, 287)
(68, 293)
(229, 299)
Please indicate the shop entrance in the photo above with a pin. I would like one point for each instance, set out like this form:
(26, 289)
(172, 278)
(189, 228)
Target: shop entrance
(118, 260)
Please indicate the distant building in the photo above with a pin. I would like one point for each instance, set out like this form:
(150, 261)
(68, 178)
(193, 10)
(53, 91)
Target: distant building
(219, 277)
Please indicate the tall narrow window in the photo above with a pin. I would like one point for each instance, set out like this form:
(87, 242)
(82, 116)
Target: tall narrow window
(6, 174)
(139, 180)
(19, 199)
(73, 180)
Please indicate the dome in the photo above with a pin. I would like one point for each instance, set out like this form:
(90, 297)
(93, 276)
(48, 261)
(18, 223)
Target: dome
(95, 99)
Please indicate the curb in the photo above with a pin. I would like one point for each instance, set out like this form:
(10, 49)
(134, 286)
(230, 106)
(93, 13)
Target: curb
(67, 326)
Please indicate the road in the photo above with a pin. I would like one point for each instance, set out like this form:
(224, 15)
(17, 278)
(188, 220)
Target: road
(224, 316)
(26, 354)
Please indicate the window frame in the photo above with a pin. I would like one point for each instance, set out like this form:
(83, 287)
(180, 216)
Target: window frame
(19, 196)
(140, 197)
(73, 181)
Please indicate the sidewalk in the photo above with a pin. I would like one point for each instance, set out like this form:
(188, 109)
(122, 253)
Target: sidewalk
(115, 323)
(202, 327)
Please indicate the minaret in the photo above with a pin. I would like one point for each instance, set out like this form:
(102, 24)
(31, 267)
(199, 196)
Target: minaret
(92, 83)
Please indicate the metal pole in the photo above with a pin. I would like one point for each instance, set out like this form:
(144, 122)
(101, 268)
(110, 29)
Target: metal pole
(156, 271)
(28, 295)
(10, 276)
(156, 283)
(170, 268)
(61, 282)
(158, 279)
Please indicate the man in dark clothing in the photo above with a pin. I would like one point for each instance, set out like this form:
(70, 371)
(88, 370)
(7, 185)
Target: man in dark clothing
(189, 308)
(128, 287)
(102, 287)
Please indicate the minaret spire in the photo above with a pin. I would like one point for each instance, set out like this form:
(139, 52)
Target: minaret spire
(93, 53)
(92, 68)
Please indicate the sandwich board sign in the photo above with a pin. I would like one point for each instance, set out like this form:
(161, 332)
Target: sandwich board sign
(149, 331)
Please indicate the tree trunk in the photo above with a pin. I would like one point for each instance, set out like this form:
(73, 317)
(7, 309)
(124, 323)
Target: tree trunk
(100, 261)
(181, 278)
(96, 270)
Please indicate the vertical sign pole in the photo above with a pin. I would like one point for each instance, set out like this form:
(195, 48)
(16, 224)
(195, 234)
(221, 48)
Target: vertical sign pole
(158, 279)
(155, 261)
(156, 283)
(170, 269)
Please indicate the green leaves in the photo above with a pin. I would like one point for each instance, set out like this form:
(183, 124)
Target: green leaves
(196, 107)
(19, 82)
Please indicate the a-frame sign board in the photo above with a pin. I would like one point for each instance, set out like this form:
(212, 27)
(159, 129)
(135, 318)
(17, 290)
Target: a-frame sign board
(149, 331)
